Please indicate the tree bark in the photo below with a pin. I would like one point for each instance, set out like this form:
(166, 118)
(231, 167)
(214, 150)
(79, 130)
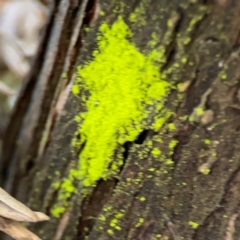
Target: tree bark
(170, 158)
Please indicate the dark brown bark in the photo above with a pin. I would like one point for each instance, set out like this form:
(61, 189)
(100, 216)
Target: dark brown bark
(180, 201)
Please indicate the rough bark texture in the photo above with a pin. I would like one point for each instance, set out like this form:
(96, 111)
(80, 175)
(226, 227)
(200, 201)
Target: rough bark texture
(190, 187)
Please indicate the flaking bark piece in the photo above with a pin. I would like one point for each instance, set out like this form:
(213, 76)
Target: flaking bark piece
(15, 210)
(16, 230)
(4, 89)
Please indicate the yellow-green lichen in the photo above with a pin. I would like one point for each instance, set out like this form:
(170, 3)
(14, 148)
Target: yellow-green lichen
(118, 215)
(194, 225)
(204, 171)
(223, 75)
(170, 23)
(171, 127)
(152, 43)
(102, 218)
(173, 144)
(214, 154)
(151, 169)
(121, 82)
(197, 18)
(159, 121)
(199, 111)
(66, 190)
(75, 89)
(207, 141)
(57, 211)
(184, 60)
(156, 152)
(169, 162)
(139, 15)
(142, 199)
(114, 223)
(186, 40)
(110, 231)
(56, 185)
(107, 208)
(64, 75)
(140, 222)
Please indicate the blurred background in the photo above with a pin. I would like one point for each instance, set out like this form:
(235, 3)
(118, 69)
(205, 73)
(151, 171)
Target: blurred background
(21, 24)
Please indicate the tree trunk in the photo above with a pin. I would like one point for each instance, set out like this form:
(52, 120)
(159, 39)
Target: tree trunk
(147, 144)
